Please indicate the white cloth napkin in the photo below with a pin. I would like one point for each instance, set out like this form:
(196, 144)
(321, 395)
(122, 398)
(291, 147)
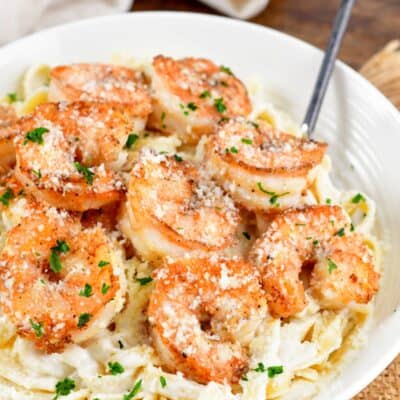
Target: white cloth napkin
(19, 17)
(238, 8)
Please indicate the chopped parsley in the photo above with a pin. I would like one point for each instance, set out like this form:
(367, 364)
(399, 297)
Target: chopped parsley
(163, 382)
(178, 158)
(340, 232)
(244, 378)
(274, 196)
(37, 327)
(272, 371)
(132, 138)
(35, 135)
(246, 235)
(255, 125)
(219, 105)
(83, 319)
(120, 344)
(64, 387)
(351, 227)
(12, 97)
(163, 116)
(55, 262)
(205, 94)
(358, 198)
(6, 197)
(61, 246)
(38, 173)
(328, 201)
(331, 265)
(103, 263)
(247, 141)
(191, 106)
(134, 391)
(232, 150)
(227, 70)
(105, 288)
(315, 242)
(86, 291)
(144, 281)
(260, 367)
(275, 370)
(85, 171)
(115, 368)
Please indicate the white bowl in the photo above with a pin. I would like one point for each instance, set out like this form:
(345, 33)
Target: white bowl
(361, 126)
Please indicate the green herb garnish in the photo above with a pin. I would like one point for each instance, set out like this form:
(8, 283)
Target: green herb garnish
(219, 105)
(247, 141)
(163, 382)
(178, 158)
(331, 265)
(6, 197)
(86, 291)
(115, 368)
(38, 173)
(64, 388)
(132, 138)
(340, 232)
(275, 370)
(358, 198)
(227, 70)
(85, 171)
(260, 367)
(163, 116)
(103, 263)
(83, 319)
(134, 391)
(37, 327)
(105, 288)
(191, 106)
(144, 281)
(205, 94)
(35, 135)
(12, 97)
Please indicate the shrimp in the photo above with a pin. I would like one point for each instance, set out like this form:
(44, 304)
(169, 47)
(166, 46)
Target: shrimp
(192, 94)
(173, 209)
(198, 312)
(8, 130)
(68, 154)
(318, 236)
(263, 169)
(57, 280)
(98, 82)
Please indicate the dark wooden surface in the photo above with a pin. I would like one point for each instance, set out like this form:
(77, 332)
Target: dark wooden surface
(373, 24)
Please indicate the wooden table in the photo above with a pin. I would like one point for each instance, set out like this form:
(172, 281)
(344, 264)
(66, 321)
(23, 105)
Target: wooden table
(373, 24)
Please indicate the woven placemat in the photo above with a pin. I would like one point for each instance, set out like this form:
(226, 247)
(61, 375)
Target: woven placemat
(383, 70)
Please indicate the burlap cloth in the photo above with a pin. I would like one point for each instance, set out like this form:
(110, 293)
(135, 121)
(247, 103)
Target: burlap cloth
(383, 70)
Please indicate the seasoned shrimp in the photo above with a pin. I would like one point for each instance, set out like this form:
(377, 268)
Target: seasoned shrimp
(172, 209)
(263, 169)
(67, 154)
(202, 313)
(192, 94)
(321, 236)
(98, 82)
(57, 279)
(8, 130)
